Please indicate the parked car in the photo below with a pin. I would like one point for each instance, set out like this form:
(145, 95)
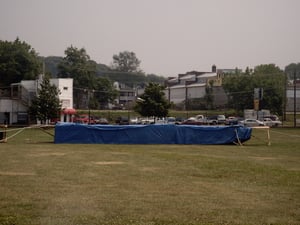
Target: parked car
(122, 120)
(272, 123)
(252, 123)
(272, 117)
(148, 120)
(178, 120)
(216, 119)
(201, 118)
(165, 120)
(135, 120)
(101, 120)
(192, 121)
(232, 120)
(171, 120)
(84, 118)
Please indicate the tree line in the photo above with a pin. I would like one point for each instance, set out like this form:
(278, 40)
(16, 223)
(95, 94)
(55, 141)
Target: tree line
(19, 61)
(269, 78)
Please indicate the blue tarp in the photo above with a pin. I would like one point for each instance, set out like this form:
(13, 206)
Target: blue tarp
(149, 134)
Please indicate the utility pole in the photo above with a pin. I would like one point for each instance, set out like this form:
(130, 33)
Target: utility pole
(295, 109)
(89, 106)
(284, 98)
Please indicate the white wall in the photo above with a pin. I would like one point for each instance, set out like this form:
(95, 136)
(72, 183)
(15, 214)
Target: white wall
(196, 92)
(13, 106)
(30, 85)
(65, 86)
(177, 94)
(290, 93)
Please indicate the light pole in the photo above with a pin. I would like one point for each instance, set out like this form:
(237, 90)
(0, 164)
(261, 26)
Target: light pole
(284, 98)
(89, 110)
(88, 103)
(295, 109)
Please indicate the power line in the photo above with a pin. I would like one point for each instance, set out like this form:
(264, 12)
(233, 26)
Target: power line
(91, 90)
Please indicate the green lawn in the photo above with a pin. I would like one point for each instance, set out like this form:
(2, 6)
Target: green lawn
(46, 183)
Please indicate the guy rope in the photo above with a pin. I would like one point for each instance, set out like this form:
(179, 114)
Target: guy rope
(4, 131)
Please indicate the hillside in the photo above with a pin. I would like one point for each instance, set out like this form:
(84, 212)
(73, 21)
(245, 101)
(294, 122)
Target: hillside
(130, 79)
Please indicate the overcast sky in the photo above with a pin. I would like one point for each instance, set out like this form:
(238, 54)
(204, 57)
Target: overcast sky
(168, 36)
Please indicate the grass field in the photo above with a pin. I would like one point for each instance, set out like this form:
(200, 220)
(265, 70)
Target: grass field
(46, 183)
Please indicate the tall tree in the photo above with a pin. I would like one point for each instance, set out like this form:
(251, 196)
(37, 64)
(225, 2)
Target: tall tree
(18, 61)
(46, 105)
(105, 92)
(126, 62)
(153, 102)
(89, 90)
(51, 64)
(267, 69)
(291, 69)
(77, 65)
(240, 88)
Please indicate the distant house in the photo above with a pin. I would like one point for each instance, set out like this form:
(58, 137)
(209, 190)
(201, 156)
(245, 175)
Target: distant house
(16, 99)
(127, 95)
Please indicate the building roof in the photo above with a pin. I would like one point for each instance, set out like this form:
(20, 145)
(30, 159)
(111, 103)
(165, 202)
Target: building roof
(207, 75)
(197, 85)
(188, 77)
(177, 86)
(174, 79)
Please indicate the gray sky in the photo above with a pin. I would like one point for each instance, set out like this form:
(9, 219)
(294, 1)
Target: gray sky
(168, 36)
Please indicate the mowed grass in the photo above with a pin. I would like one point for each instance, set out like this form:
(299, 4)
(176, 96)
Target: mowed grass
(46, 183)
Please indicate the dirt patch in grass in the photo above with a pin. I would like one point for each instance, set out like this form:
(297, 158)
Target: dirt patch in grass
(109, 163)
(47, 154)
(120, 153)
(149, 169)
(10, 173)
(264, 158)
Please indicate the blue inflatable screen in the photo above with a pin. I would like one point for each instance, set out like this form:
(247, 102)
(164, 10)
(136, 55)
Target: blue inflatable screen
(149, 134)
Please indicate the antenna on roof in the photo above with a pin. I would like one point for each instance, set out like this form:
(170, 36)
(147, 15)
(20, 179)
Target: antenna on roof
(214, 68)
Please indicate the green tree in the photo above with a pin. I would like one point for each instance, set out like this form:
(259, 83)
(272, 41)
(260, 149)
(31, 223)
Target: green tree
(51, 64)
(155, 78)
(153, 102)
(273, 84)
(90, 91)
(267, 69)
(104, 92)
(18, 61)
(239, 91)
(126, 62)
(46, 105)
(240, 88)
(77, 65)
(291, 69)
(248, 71)
(209, 97)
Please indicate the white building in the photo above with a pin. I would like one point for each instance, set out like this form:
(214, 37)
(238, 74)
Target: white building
(192, 85)
(127, 95)
(293, 103)
(15, 101)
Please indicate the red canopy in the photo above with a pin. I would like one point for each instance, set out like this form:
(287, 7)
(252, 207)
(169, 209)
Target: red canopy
(69, 111)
